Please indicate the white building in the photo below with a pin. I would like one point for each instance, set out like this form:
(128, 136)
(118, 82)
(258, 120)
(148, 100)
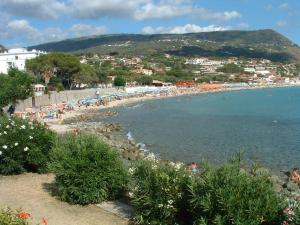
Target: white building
(16, 58)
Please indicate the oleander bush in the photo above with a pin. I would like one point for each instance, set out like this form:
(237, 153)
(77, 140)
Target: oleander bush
(24, 147)
(87, 170)
(227, 195)
(292, 213)
(11, 217)
(219, 195)
(158, 192)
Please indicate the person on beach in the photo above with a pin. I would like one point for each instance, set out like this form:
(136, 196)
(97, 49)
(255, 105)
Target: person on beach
(193, 168)
(97, 94)
(295, 176)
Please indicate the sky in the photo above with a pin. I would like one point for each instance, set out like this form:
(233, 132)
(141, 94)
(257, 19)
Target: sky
(30, 22)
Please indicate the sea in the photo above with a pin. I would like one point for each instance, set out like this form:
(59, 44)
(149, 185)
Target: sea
(263, 124)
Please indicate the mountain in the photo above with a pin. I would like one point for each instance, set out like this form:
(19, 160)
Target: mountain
(255, 44)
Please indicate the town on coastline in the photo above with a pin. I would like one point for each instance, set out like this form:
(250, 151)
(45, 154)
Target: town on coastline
(64, 92)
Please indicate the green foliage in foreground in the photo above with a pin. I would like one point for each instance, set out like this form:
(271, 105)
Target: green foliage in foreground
(24, 147)
(87, 170)
(17, 85)
(11, 217)
(169, 194)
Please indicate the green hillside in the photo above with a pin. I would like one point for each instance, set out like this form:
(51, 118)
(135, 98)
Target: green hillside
(255, 44)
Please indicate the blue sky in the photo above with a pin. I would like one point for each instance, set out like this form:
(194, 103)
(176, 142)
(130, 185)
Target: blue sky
(29, 22)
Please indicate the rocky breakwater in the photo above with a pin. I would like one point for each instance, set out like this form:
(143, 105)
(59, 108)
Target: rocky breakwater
(110, 133)
(283, 184)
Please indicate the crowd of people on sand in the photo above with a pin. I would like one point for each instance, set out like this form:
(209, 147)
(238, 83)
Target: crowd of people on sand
(56, 111)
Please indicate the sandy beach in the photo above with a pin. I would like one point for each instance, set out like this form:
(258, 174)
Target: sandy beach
(56, 124)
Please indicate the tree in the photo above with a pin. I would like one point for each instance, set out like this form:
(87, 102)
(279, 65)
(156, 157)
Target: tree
(63, 65)
(120, 81)
(14, 86)
(86, 75)
(102, 75)
(145, 80)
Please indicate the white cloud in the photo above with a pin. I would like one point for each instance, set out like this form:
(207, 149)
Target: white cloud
(284, 6)
(94, 9)
(19, 28)
(79, 30)
(100, 8)
(220, 16)
(163, 10)
(281, 23)
(22, 32)
(188, 28)
(34, 8)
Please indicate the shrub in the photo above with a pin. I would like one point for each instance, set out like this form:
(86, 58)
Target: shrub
(24, 146)
(87, 170)
(158, 192)
(292, 212)
(11, 217)
(119, 81)
(227, 195)
(224, 195)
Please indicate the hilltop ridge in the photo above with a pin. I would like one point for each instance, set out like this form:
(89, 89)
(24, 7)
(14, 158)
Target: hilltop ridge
(255, 44)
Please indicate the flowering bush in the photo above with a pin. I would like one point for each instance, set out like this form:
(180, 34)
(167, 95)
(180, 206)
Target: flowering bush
(227, 195)
(23, 146)
(158, 192)
(11, 217)
(292, 213)
(87, 170)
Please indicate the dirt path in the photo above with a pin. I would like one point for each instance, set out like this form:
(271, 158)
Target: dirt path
(29, 192)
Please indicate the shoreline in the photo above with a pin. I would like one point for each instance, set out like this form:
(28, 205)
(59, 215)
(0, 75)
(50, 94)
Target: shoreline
(111, 133)
(56, 123)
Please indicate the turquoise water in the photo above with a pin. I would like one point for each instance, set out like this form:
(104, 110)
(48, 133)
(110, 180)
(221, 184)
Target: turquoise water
(263, 123)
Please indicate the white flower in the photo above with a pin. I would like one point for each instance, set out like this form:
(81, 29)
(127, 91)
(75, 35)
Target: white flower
(151, 157)
(178, 166)
(172, 164)
(170, 202)
(7, 126)
(26, 149)
(4, 146)
(131, 170)
(4, 132)
(0, 153)
(23, 127)
(160, 205)
(154, 167)
(31, 128)
(130, 194)
(16, 144)
(30, 137)
(0, 134)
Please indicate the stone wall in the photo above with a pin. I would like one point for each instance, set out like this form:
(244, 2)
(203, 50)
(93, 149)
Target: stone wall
(58, 97)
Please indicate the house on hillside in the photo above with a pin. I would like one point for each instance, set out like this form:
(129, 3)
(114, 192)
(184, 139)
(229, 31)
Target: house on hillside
(16, 58)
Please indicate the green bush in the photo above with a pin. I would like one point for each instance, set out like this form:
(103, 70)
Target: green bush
(158, 192)
(87, 170)
(11, 217)
(120, 81)
(223, 195)
(292, 213)
(23, 146)
(227, 195)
